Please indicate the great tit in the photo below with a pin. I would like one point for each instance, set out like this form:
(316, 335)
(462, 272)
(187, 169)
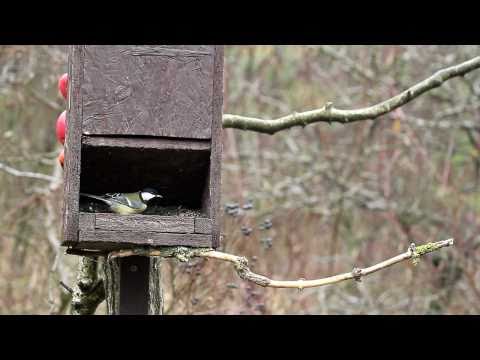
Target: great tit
(127, 203)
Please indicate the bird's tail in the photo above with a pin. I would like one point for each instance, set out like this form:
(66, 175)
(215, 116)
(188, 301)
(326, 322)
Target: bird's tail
(108, 202)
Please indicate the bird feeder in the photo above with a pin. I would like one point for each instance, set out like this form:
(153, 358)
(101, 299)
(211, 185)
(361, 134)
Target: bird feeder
(137, 117)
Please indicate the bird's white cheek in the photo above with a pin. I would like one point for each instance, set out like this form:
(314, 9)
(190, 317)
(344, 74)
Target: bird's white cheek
(148, 197)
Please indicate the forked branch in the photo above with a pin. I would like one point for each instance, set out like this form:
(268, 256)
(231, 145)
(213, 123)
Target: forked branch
(330, 114)
(241, 263)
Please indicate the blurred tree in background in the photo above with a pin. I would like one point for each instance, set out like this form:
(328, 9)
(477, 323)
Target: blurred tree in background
(304, 203)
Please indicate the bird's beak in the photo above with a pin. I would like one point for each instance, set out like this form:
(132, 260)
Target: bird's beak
(159, 196)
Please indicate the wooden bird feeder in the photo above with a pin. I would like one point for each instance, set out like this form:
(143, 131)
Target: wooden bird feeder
(144, 116)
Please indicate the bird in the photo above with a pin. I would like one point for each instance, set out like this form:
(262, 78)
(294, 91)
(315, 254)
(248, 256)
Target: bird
(127, 203)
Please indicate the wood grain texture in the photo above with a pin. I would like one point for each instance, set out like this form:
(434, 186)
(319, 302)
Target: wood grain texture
(86, 222)
(155, 288)
(147, 143)
(170, 51)
(111, 279)
(148, 90)
(216, 152)
(108, 239)
(72, 146)
(203, 226)
(150, 223)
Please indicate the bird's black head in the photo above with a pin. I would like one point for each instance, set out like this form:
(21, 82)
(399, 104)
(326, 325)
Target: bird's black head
(148, 194)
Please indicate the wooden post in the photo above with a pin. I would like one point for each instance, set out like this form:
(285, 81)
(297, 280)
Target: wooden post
(133, 286)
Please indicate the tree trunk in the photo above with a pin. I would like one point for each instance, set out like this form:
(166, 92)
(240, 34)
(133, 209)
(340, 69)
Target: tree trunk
(88, 292)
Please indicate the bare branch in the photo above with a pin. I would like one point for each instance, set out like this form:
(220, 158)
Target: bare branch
(27, 174)
(241, 264)
(444, 124)
(51, 104)
(330, 114)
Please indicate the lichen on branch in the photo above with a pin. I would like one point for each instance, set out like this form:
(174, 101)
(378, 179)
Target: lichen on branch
(240, 263)
(89, 291)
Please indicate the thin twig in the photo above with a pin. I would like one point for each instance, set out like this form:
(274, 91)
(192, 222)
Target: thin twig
(241, 264)
(27, 174)
(52, 105)
(330, 114)
(66, 287)
(443, 124)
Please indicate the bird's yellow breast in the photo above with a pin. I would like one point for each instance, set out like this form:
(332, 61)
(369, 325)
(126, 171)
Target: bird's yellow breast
(125, 210)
